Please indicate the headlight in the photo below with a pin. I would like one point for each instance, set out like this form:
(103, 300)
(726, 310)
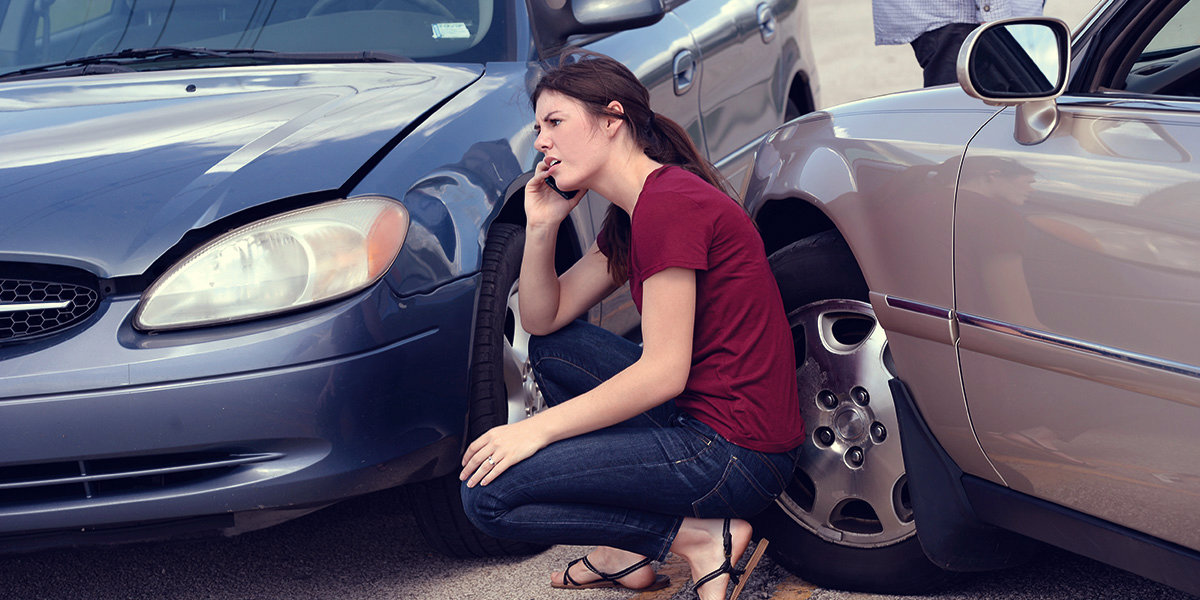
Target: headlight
(279, 264)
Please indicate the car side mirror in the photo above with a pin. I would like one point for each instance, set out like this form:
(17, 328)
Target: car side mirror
(557, 20)
(1019, 62)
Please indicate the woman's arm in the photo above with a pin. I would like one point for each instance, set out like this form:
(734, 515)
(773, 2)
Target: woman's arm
(668, 318)
(548, 301)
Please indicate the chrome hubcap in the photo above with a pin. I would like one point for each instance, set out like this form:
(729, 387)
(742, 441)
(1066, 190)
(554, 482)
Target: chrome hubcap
(524, 397)
(850, 487)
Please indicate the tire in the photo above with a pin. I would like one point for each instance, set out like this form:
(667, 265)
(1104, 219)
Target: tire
(791, 111)
(844, 522)
(501, 391)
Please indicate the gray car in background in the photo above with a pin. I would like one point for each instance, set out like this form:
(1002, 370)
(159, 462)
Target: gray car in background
(995, 297)
(257, 256)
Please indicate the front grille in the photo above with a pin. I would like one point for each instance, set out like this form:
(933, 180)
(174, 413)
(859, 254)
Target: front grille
(106, 478)
(30, 308)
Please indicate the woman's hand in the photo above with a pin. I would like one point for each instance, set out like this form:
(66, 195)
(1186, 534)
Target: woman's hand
(543, 205)
(498, 449)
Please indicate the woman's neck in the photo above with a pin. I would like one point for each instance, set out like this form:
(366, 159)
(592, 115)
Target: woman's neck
(623, 180)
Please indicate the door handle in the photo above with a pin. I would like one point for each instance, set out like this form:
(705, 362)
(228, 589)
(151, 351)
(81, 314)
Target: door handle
(685, 72)
(766, 22)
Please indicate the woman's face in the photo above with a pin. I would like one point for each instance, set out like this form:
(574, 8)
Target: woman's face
(571, 139)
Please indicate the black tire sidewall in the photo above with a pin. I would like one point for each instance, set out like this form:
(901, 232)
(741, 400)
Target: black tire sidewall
(819, 267)
(501, 268)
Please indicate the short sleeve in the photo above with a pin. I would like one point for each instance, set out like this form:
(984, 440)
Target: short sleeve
(670, 230)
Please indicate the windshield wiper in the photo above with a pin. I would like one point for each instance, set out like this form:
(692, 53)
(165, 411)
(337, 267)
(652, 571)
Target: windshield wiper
(272, 56)
(112, 61)
(117, 62)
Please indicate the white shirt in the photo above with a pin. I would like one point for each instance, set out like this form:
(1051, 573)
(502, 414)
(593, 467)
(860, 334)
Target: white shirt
(902, 21)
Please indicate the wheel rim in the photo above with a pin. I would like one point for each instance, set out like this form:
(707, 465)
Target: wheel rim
(849, 487)
(523, 396)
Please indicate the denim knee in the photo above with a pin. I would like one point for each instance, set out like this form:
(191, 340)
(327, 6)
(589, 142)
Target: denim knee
(541, 346)
(482, 508)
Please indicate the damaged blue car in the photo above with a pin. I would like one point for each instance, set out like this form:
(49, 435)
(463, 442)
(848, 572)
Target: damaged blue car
(260, 256)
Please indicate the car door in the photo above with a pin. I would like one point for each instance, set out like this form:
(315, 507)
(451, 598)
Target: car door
(1077, 282)
(741, 93)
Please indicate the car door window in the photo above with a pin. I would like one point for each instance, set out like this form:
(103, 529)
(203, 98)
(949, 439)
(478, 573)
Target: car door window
(1168, 63)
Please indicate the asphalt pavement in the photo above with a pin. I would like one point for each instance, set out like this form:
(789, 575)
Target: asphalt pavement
(369, 549)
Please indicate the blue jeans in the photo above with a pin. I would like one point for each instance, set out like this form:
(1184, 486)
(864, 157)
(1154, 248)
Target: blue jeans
(627, 486)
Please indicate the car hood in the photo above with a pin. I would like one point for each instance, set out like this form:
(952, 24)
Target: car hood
(938, 100)
(108, 172)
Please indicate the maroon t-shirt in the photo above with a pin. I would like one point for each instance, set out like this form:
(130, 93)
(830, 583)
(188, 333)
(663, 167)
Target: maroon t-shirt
(743, 377)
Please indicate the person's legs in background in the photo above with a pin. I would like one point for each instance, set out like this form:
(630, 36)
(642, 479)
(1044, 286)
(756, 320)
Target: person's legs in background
(937, 52)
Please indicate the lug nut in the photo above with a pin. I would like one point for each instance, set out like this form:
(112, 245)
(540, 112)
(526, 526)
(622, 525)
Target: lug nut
(878, 432)
(827, 399)
(855, 457)
(825, 436)
(860, 396)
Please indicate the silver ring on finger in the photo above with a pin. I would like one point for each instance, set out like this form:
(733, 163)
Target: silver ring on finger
(490, 461)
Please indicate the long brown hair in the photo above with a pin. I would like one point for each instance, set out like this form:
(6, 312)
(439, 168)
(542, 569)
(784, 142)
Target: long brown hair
(596, 80)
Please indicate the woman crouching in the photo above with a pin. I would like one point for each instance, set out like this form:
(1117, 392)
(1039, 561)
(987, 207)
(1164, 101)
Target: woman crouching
(670, 446)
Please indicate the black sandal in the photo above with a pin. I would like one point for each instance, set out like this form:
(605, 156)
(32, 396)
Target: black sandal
(609, 580)
(735, 574)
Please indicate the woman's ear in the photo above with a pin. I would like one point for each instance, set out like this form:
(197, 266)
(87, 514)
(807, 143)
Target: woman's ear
(612, 124)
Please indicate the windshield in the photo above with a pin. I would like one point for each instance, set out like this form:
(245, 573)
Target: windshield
(40, 32)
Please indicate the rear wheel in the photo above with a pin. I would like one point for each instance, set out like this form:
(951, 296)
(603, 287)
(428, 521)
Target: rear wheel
(502, 391)
(845, 521)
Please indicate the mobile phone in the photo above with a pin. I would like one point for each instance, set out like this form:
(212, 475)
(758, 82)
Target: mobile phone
(565, 195)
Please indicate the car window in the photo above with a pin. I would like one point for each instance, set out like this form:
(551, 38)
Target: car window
(35, 32)
(1169, 61)
(1181, 32)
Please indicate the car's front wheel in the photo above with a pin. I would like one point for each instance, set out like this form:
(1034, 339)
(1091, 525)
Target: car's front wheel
(845, 521)
(502, 391)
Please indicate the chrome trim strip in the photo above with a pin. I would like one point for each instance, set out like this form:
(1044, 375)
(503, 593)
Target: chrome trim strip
(1134, 358)
(740, 153)
(7, 308)
(919, 307)
(217, 464)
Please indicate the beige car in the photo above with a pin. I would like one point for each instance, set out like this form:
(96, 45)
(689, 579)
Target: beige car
(995, 294)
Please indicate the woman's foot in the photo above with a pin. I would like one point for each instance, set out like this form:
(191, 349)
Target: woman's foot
(608, 561)
(701, 542)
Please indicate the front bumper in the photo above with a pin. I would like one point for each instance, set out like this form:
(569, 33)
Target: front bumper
(112, 430)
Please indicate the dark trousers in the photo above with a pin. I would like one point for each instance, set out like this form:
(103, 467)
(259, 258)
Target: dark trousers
(937, 52)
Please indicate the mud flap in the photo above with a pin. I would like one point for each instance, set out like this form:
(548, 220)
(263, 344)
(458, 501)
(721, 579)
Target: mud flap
(951, 533)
